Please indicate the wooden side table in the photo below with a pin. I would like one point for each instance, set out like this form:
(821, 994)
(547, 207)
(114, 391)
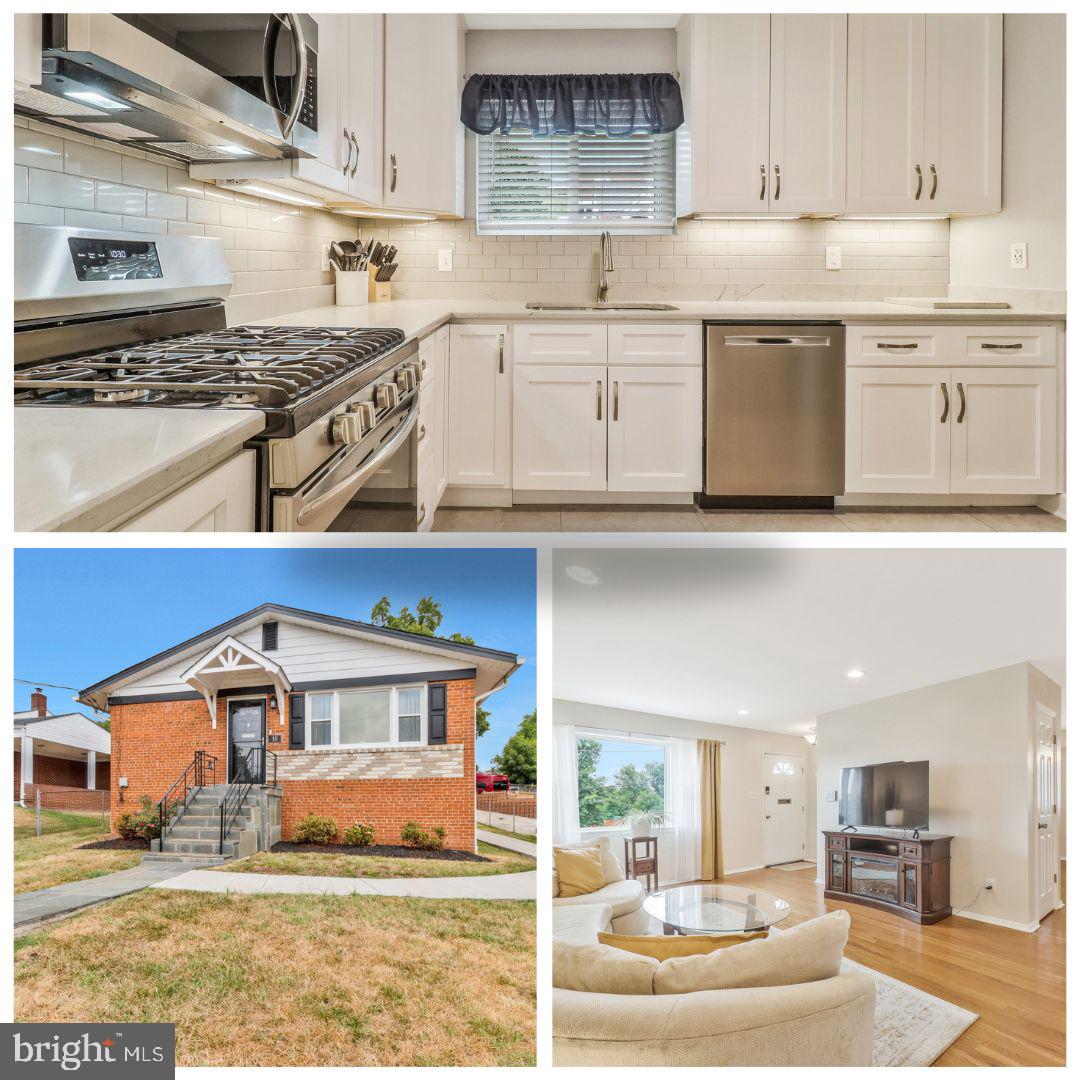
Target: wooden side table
(640, 857)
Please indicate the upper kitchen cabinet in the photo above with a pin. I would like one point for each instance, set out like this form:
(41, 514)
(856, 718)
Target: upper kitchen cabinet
(924, 114)
(424, 151)
(765, 97)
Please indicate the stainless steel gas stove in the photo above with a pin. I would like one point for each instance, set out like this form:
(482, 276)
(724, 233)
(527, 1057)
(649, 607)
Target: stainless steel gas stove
(121, 321)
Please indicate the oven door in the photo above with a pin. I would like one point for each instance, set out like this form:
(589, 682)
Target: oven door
(375, 478)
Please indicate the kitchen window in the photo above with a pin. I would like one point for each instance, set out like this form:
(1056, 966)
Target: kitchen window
(575, 184)
(618, 774)
(388, 716)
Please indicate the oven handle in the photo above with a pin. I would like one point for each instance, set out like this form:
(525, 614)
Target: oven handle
(273, 30)
(355, 479)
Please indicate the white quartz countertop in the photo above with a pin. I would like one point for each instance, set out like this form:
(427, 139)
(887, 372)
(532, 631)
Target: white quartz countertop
(419, 317)
(82, 469)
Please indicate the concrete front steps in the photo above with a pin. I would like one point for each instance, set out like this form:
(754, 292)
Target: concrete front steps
(195, 833)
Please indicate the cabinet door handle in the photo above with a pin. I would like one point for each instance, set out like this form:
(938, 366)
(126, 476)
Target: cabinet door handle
(933, 180)
(599, 399)
(615, 411)
(348, 151)
(776, 193)
(502, 353)
(356, 146)
(897, 344)
(918, 178)
(998, 345)
(764, 182)
(945, 395)
(963, 403)
(393, 172)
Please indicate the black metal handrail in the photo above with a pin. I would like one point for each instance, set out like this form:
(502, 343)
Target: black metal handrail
(255, 765)
(193, 777)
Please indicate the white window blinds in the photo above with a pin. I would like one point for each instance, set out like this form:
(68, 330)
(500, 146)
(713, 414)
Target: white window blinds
(575, 183)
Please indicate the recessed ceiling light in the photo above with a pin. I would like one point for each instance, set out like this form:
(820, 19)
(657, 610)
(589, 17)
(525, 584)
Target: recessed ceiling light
(99, 101)
(743, 712)
(856, 673)
(582, 575)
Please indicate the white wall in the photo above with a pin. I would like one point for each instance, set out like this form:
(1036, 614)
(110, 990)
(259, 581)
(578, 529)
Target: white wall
(1033, 180)
(568, 52)
(742, 784)
(976, 734)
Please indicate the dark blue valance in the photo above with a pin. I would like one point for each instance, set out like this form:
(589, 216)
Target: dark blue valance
(618, 105)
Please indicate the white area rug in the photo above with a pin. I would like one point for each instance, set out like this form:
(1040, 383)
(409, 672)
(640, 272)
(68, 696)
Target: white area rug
(911, 1027)
(795, 866)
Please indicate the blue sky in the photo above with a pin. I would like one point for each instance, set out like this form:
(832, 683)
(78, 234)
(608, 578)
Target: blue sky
(615, 754)
(83, 613)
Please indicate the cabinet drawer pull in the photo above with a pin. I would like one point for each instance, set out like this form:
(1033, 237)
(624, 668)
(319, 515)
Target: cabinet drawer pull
(997, 345)
(945, 395)
(776, 193)
(918, 179)
(422, 434)
(897, 344)
(615, 410)
(502, 352)
(348, 151)
(356, 145)
(764, 181)
(393, 172)
(963, 403)
(933, 180)
(599, 399)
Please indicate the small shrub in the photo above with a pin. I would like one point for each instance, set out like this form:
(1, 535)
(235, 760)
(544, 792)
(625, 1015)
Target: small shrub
(315, 830)
(359, 835)
(141, 824)
(413, 836)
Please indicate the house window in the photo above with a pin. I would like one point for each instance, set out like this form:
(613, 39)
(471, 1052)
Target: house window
(387, 716)
(575, 183)
(617, 775)
(783, 768)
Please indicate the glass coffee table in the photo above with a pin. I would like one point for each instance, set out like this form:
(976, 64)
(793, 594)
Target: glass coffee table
(716, 909)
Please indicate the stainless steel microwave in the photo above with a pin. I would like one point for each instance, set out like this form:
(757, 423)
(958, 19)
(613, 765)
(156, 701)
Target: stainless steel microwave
(202, 87)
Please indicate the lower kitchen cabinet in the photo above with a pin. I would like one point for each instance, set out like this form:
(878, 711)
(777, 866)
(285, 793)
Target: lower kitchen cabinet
(442, 406)
(560, 427)
(479, 405)
(654, 428)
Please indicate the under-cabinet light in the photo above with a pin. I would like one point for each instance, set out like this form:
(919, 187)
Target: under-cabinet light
(275, 194)
(748, 217)
(392, 215)
(99, 101)
(895, 217)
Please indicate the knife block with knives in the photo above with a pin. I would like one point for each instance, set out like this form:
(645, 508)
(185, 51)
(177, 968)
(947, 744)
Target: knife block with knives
(377, 259)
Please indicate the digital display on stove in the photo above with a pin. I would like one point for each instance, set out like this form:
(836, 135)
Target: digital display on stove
(113, 260)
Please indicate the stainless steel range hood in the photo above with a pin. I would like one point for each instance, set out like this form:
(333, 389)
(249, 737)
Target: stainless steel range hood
(111, 79)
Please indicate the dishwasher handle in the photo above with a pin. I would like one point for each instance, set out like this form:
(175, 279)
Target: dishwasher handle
(773, 341)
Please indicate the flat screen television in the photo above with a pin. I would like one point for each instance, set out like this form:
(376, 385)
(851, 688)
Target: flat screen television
(895, 795)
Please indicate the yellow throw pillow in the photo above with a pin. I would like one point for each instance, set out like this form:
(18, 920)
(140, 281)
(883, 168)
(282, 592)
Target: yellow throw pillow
(668, 946)
(580, 870)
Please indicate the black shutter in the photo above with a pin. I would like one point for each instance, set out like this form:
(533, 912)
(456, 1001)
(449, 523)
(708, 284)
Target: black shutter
(437, 714)
(269, 631)
(296, 721)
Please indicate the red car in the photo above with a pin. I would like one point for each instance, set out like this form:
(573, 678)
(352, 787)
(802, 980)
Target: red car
(487, 781)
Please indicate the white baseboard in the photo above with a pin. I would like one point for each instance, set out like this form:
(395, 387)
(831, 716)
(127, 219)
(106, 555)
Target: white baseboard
(819, 881)
(958, 501)
(743, 870)
(1052, 504)
(566, 499)
(1026, 928)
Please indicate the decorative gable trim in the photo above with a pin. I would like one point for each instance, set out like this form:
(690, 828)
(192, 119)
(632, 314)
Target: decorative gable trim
(231, 663)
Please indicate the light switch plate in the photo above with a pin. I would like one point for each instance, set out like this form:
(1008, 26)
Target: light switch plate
(1018, 255)
(446, 260)
(830, 796)
(833, 258)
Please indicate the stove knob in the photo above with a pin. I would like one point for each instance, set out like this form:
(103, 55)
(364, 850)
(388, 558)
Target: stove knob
(345, 429)
(417, 372)
(405, 379)
(386, 395)
(364, 411)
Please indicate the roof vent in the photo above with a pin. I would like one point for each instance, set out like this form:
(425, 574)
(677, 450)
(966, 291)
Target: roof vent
(269, 640)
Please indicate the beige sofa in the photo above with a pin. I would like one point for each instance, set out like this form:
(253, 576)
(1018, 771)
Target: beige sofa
(624, 898)
(825, 1022)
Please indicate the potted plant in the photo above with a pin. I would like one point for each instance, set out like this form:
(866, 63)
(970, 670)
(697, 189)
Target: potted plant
(642, 822)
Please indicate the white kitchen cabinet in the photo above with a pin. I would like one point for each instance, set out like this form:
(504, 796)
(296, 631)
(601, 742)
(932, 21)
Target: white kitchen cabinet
(808, 113)
(27, 28)
(898, 430)
(221, 500)
(362, 113)
(1004, 433)
(924, 113)
(442, 393)
(424, 151)
(480, 397)
(651, 344)
(546, 342)
(560, 427)
(654, 428)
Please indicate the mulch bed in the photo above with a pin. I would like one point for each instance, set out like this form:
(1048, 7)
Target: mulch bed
(394, 850)
(116, 843)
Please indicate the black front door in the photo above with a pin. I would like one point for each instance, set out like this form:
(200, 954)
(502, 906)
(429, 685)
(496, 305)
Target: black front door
(247, 741)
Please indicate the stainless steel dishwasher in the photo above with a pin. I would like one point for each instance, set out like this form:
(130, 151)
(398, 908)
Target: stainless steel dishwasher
(774, 416)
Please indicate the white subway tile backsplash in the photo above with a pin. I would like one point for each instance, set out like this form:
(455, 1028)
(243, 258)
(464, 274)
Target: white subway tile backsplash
(91, 219)
(85, 159)
(21, 184)
(146, 174)
(38, 150)
(32, 214)
(59, 189)
(121, 199)
(159, 204)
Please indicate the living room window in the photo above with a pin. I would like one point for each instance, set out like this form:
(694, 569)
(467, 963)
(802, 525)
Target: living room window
(618, 774)
(575, 184)
(387, 716)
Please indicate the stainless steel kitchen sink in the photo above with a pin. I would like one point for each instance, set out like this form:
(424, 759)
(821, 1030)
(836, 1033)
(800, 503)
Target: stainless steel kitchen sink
(542, 305)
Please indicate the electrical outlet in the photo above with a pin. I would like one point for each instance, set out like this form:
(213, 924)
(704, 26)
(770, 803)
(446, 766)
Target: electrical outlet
(989, 884)
(1018, 256)
(446, 260)
(833, 259)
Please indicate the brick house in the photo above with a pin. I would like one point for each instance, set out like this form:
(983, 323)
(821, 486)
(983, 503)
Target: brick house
(64, 757)
(289, 712)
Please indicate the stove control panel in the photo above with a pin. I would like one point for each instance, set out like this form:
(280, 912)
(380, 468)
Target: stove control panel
(113, 260)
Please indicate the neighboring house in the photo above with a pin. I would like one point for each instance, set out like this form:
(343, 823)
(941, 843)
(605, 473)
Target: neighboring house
(328, 715)
(66, 757)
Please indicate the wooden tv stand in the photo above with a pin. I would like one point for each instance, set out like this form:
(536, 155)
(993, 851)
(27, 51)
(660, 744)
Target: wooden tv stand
(909, 877)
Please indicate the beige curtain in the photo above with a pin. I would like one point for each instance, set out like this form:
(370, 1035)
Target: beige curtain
(712, 848)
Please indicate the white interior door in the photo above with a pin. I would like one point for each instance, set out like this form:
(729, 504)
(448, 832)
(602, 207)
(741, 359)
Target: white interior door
(785, 808)
(1046, 844)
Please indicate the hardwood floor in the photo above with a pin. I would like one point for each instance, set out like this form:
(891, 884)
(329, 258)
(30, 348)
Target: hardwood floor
(1014, 981)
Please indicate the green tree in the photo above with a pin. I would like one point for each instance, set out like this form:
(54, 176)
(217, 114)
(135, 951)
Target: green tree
(602, 799)
(426, 620)
(518, 757)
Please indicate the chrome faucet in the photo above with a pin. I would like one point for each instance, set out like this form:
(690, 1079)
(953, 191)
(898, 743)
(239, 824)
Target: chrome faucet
(607, 264)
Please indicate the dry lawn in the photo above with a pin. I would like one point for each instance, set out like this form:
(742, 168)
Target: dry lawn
(328, 864)
(54, 857)
(304, 980)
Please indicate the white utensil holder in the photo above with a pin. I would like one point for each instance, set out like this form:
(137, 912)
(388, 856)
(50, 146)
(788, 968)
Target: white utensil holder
(351, 287)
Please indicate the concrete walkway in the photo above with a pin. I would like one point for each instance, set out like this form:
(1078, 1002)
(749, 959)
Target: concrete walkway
(491, 887)
(508, 843)
(60, 900)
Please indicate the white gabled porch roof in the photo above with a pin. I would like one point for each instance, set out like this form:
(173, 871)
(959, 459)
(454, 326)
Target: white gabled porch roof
(231, 663)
